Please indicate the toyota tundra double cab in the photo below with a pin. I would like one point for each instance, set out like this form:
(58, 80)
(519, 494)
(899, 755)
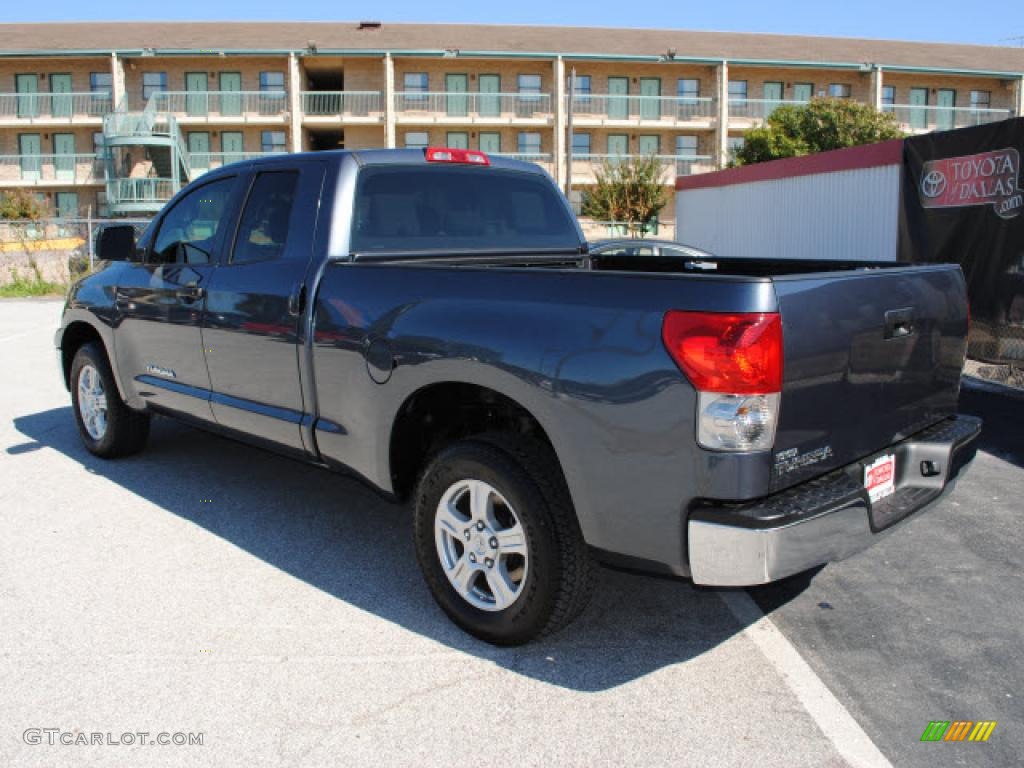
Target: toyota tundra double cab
(431, 321)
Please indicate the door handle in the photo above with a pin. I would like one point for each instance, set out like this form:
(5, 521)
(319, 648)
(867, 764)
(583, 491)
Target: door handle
(899, 323)
(190, 293)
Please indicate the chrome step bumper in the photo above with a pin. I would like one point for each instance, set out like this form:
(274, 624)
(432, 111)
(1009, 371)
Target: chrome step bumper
(826, 519)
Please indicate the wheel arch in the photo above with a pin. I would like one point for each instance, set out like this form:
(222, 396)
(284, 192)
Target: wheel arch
(439, 413)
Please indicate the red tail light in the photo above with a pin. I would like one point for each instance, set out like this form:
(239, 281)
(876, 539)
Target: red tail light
(448, 155)
(738, 353)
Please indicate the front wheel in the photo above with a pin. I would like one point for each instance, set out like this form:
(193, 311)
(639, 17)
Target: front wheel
(498, 541)
(107, 426)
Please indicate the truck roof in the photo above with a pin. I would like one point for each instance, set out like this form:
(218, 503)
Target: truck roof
(389, 157)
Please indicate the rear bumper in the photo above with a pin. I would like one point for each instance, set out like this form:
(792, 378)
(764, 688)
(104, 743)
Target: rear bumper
(828, 518)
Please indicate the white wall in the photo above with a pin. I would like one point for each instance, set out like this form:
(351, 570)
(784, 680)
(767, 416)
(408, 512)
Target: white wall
(840, 215)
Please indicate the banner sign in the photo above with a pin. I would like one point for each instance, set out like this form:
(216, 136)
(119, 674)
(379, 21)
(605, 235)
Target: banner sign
(961, 202)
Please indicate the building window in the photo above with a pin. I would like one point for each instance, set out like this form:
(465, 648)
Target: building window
(580, 144)
(839, 91)
(271, 81)
(583, 88)
(272, 141)
(686, 146)
(737, 90)
(888, 97)
(688, 88)
(733, 145)
(416, 139)
(101, 83)
(576, 201)
(153, 82)
(416, 85)
(529, 85)
(529, 143)
(981, 99)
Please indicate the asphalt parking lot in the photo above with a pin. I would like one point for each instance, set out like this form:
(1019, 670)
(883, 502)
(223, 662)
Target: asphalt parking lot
(208, 587)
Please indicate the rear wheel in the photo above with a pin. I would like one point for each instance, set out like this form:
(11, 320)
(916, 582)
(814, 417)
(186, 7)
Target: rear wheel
(498, 541)
(107, 426)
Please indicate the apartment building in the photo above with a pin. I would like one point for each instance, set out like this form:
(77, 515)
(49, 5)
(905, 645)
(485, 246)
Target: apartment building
(115, 118)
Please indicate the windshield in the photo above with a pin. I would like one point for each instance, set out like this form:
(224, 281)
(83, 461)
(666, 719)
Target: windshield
(458, 208)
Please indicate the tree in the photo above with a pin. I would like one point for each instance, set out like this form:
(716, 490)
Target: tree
(820, 125)
(21, 204)
(629, 191)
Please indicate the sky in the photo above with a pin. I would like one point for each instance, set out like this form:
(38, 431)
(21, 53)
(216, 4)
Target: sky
(990, 22)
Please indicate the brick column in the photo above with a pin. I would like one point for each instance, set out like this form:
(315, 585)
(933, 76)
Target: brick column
(389, 102)
(295, 102)
(559, 104)
(721, 153)
(1018, 97)
(116, 80)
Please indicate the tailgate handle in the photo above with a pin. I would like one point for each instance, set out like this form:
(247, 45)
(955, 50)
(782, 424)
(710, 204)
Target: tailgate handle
(899, 323)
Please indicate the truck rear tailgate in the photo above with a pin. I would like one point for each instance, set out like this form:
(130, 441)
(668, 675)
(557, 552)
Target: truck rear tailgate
(870, 357)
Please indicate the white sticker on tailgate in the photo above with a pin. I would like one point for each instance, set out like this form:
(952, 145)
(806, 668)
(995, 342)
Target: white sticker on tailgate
(880, 477)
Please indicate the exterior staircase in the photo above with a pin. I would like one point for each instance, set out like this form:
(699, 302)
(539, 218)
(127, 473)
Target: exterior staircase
(150, 135)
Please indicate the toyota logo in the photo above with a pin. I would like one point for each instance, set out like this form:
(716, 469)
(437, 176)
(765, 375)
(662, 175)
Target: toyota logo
(933, 184)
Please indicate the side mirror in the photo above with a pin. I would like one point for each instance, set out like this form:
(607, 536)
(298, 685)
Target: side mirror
(116, 242)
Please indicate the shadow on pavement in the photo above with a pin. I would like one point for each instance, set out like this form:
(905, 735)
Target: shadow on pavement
(338, 535)
(1002, 408)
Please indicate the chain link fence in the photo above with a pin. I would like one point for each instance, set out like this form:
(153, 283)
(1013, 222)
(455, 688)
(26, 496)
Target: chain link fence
(54, 251)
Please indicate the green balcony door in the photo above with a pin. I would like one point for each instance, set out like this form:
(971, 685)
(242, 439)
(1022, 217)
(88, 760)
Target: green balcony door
(60, 87)
(490, 142)
(232, 145)
(67, 205)
(490, 105)
(197, 100)
(618, 98)
(650, 98)
(618, 145)
(649, 145)
(64, 156)
(457, 140)
(199, 151)
(27, 87)
(918, 108)
(772, 97)
(803, 91)
(29, 150)
(457, 105)
(230, 84)
(945, 100)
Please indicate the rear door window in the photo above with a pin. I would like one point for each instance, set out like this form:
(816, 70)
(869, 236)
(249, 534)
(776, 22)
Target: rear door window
(458, 208)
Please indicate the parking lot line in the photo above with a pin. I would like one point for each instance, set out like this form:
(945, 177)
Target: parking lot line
(834, 720)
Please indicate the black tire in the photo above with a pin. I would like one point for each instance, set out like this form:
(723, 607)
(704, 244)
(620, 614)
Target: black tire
(558, 582)
(126, 430)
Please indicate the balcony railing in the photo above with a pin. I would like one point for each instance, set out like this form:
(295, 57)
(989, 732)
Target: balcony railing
(673, 108)
(759, 109)
(931, 118)
(342, 103)
(51, 169)
(473, 106)
(149, 191)
(201, 162)
(49, 106)
(675, 165)
(241, 104)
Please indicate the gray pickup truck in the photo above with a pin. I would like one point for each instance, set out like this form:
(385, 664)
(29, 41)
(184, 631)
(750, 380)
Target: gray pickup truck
(432, 321)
